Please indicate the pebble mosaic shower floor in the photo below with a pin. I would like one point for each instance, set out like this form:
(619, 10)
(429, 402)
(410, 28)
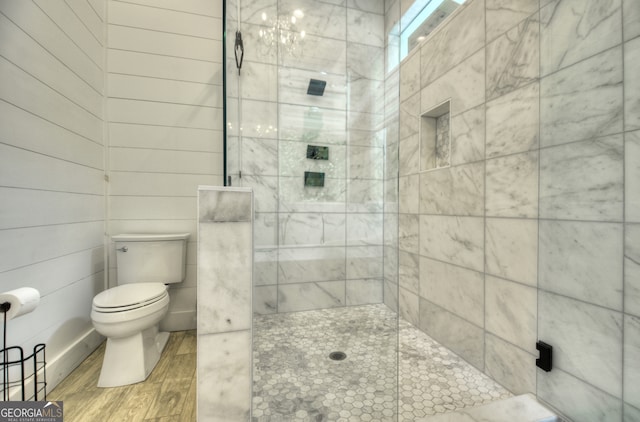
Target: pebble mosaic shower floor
(295, 380)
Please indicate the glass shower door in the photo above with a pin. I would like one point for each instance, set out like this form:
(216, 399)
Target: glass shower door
(308, 134)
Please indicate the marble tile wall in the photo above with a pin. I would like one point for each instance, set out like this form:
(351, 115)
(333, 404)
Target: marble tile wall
(533, 231)
(225, 258)
(583, 304)
(315, 247)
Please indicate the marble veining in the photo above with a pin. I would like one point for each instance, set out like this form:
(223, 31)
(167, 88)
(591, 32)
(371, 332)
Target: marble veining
(308, 296)
(265, 266)
(513, 122)
(365, 95)
(365, 196)
(585, 339)
(408, 192)
(316, 53)
(574, 397)
(453, 43)
(467, 136)
(512, 59)
(632, 269)
(259, 156)
(295, 197)
(225, 391)
(260, 82)
(327, 20)
(312, 229)
(222, 282)
(409, 156)
(631, 85)
(464, 85)
(509, 365)
(265, 229)
(511, 312)
(225, 265)
(409, 271)
(366, 61)
(264, 191)
(458, 240)
(503, 15)
(225, 206)
(455, 190)
(583, 181)
(364, 291)
(304, 123)
(582, 101)
(524, 408)
(511, 249)
(443, 140)
(632, 360)
(460, 336)
(410, 76)
(365, 28)
(572, 30)
(456, 289)
(300, 265)
(408, 230)
(582, 260)
(294, 380)
(373, 6)
(631, 19)
(364, 229)
(251, 12)
(364, 262)
(632, 176)
(409, 117)
(363, 162)
(409, 306)
(512, 186)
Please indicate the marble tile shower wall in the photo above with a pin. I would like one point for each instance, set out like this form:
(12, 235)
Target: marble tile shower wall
(225, 254)
(315, 247)
(533, 231)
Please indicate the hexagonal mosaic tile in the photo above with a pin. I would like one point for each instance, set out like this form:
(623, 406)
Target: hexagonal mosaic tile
(296, 380)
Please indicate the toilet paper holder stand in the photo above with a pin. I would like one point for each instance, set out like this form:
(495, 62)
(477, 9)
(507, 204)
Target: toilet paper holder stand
(19, 371)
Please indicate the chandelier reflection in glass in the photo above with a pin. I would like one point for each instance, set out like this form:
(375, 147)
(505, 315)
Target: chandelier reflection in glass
(282, 33)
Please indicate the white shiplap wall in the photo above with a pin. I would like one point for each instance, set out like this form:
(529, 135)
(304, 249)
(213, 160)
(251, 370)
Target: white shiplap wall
(52, 202)
(164, 114)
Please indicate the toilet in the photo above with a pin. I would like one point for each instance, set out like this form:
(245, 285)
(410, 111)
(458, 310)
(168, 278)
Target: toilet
(129, 314)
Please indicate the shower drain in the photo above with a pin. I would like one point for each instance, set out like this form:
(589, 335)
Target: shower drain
(337, 355)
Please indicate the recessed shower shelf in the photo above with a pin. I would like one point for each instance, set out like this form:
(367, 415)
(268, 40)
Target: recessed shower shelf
(435, 137)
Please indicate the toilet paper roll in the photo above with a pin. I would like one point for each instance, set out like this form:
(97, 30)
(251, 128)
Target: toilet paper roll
(22, 301)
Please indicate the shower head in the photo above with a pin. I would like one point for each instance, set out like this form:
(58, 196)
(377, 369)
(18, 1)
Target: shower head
(316, 87)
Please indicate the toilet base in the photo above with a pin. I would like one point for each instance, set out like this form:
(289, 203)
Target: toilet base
(129, 360)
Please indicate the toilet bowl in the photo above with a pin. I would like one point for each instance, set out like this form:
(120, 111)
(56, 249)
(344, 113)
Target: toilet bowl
(129, 314)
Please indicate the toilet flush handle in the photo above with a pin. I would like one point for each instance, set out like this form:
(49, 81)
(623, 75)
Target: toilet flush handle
(122, 249)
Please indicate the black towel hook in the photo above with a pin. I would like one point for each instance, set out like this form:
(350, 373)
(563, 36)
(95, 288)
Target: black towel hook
(239, 47)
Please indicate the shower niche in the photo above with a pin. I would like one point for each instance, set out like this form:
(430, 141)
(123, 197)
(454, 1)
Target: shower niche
(435, 137)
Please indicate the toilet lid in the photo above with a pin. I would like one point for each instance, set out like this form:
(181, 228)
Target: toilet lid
(130, 295)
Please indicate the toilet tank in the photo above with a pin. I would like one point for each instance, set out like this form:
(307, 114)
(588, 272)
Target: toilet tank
(151, 258)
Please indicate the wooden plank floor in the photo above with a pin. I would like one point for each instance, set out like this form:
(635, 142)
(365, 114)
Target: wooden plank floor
(168, 395)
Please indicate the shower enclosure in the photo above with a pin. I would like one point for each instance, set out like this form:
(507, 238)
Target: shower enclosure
(482, 190)
(312, 128)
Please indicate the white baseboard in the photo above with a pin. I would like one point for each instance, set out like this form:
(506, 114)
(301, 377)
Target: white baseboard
(60, 366)
(179, 321)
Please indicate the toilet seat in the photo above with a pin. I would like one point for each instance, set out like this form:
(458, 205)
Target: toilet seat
(128, 297)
